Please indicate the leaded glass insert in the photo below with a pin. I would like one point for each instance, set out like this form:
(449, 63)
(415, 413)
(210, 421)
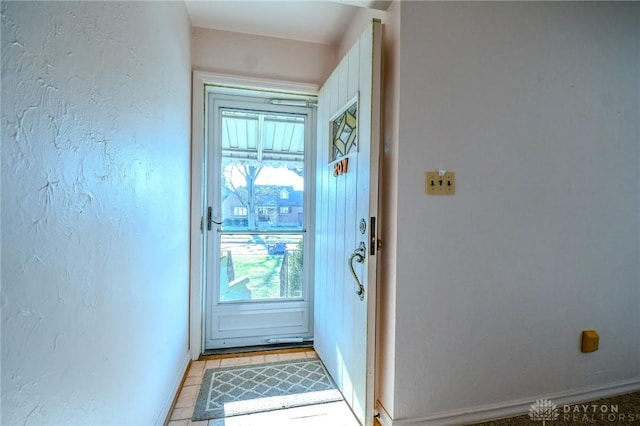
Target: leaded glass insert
(344, 129)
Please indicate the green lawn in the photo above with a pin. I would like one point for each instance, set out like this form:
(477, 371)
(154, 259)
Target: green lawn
(263, 272)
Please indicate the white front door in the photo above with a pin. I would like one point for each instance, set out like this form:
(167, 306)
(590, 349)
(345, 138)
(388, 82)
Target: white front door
(349, 117)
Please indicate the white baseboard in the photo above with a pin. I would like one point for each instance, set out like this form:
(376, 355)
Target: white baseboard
(514, 408)
(164, 413)
(383, 416)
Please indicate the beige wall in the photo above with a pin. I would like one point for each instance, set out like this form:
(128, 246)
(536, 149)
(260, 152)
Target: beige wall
(262, 57)
(358, 24)
(535, 107)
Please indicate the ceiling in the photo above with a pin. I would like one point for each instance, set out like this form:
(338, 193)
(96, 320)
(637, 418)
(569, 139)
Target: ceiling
(316, 21)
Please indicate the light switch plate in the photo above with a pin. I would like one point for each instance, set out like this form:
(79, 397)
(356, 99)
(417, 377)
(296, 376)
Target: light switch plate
(440, 183)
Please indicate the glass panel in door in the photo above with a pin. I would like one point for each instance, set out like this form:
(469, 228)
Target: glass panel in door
(262, 206)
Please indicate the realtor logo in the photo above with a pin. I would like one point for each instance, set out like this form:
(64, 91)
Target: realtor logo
(543, 410)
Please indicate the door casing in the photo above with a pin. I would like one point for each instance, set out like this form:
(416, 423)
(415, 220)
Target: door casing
(200, 80)
(286, 318)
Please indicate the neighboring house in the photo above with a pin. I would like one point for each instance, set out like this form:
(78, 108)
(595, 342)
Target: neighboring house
(276, 206)
(290, 207)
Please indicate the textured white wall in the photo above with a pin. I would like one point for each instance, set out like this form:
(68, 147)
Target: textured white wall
(95, 193)
(263, 57)
(535, 107)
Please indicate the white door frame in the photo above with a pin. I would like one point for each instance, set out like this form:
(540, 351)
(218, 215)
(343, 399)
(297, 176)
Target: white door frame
(196, 257)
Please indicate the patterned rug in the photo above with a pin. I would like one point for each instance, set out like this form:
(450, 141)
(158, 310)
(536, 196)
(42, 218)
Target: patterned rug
(233, 391)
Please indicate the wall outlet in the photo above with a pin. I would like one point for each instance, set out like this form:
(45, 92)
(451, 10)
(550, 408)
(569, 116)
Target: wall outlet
(590, 341)
(440, 183)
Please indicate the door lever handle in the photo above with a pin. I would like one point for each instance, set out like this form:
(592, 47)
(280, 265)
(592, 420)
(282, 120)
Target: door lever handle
(358, 255)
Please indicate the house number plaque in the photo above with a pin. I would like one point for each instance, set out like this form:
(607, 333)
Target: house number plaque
(340, 167)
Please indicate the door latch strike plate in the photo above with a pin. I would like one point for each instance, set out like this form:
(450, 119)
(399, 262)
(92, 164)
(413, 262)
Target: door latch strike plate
(373, 246)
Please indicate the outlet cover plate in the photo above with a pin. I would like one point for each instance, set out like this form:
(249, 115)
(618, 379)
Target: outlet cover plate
(590, 341)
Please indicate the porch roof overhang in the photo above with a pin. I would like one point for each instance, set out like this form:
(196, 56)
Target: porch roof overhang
(276, 140)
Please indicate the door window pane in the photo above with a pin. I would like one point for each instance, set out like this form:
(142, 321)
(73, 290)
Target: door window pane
(262, 195)
(261, 266)
(262, 171)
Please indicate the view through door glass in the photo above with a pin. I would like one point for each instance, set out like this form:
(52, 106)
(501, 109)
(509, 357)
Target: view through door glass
(261, 199)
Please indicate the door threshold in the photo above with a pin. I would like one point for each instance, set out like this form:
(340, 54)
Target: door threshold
(261, 348)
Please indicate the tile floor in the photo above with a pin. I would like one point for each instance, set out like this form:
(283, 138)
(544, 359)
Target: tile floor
(335, 413)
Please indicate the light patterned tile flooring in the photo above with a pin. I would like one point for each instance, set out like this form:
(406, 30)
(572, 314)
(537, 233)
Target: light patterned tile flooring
(334, 413)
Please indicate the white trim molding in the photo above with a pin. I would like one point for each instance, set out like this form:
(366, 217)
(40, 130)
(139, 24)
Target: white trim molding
(253, 84)
(168, 404)
(200, 81)
(514, 408)
(384, 418)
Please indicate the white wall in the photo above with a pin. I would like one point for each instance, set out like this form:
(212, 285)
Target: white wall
(95, 203)
(262, 57)
(535, 107)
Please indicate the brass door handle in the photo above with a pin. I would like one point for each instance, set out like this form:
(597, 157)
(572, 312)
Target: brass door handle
(358, 255)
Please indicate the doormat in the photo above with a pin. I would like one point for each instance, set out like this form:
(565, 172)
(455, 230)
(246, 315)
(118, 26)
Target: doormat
(233, 391)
